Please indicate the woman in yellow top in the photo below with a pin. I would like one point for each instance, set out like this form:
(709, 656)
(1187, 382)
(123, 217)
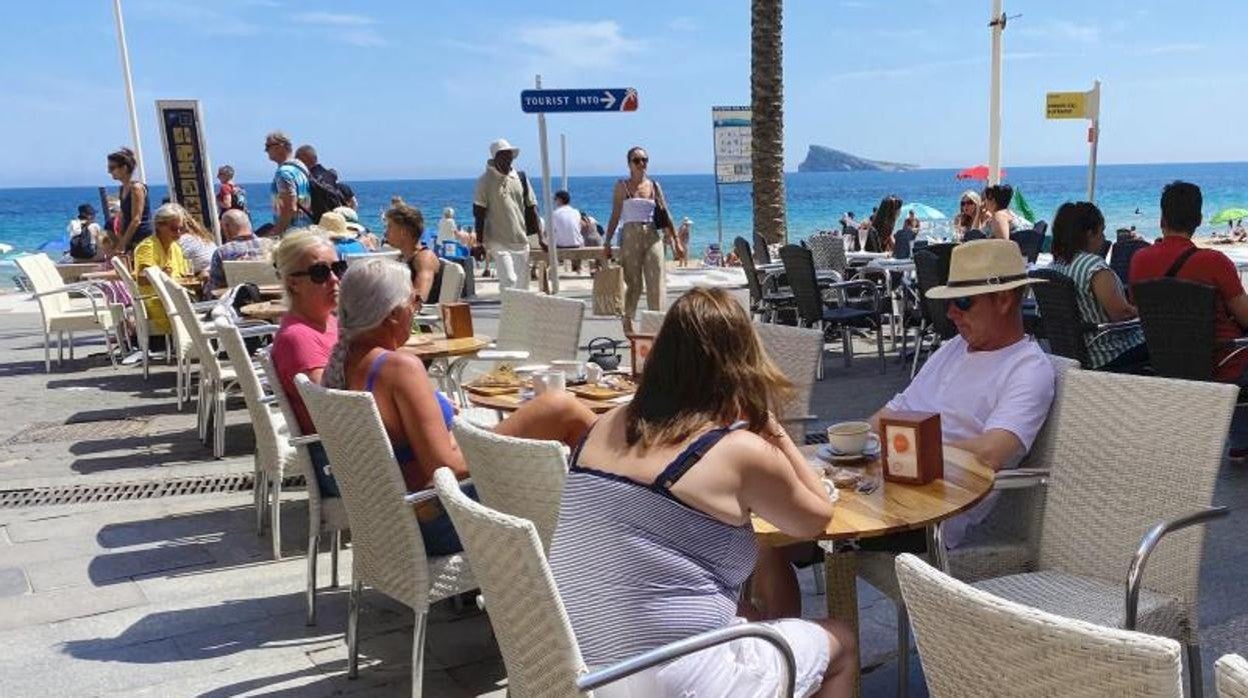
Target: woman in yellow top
(161, 250)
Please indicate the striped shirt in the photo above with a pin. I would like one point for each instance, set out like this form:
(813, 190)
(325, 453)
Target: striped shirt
(1106, 348)
(638, 568)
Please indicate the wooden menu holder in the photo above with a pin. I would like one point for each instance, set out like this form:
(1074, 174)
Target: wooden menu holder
(457, 320)
(912, 450)
(639, 346)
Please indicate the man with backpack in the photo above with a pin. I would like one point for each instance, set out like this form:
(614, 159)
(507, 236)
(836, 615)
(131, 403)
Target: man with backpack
(291, 191)
(328, 192)
(229, 195)
(86, 241)
(505, 213)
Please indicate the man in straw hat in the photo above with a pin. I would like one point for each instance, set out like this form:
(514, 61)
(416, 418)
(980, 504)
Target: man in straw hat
(992, 386)
(505, 213)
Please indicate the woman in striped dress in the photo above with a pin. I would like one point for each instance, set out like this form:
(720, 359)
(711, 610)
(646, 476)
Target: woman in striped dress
(1078, 234)
(654, 541)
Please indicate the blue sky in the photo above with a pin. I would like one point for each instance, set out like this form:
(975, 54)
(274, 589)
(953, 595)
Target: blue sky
(416, 89)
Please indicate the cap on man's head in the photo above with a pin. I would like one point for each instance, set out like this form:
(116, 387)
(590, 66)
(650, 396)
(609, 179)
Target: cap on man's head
(500, 145)
(984, 266)
(85, 210)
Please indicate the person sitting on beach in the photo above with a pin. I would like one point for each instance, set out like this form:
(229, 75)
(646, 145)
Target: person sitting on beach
(197, 243)
(448, 229)
(591, 230)
(240, 243)
(87, 242)
(375, 310)
(991, 384)
(1078, 235)
(1000, 220)
(346, 240)
(654, 532)
(405, 225)
(163, 251)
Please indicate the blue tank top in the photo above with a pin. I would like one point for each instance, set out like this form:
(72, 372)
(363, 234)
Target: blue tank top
(402, 450)
(638, 568)
(145, 229)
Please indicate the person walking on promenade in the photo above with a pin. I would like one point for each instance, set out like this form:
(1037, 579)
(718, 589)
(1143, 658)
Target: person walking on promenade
(638, 204)
(505, 213)
(136, 210)
(338, 193)
(229, 195)
(291, 192)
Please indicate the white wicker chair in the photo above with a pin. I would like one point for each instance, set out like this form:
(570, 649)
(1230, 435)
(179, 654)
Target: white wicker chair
(143, 330)
(60, 314)
(388, 552)
(650, 321)
(1118, 484)
(798, 353)
(1232, 676)
(528, 618)
(273, 452)
(975, 644)
(249, 271)
(182, 349)
(452, 282)
(521, 477)
(326, 515)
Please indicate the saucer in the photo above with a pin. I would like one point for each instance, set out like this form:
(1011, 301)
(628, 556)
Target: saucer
(827, 453)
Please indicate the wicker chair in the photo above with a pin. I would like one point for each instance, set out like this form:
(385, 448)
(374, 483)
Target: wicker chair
(1028, 242)
(650, 321)
(388, 552)
(931, 268)
(143, 330)
(1121, 254)
(528, 617)
(828, 253)
(1064, 324)
(763, 303)
(326, 515)
(1232, 676)
(813, 311)
(1110, 501)
(1178, 320)
(521, 477)
(975, 644)
(903, 241)
(273, 452)
(182, 349)
(452, 288)
(249, 271)
(60, 314)
(798, 353)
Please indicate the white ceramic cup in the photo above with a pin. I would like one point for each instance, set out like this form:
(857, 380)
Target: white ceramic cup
(572, 370)
(593, 373)
(549, 381)
(851, 437)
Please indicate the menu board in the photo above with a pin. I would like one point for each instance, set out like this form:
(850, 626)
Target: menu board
(733, 144)
(186, 159)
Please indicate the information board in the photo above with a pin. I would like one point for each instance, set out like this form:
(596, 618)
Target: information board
(733, 144)
(186, 159)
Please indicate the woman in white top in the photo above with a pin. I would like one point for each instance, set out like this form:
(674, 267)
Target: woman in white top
(447, 228)
(641, 248)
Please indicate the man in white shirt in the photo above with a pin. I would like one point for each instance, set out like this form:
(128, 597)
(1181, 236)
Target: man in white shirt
(567, 222)
(992, 386)
(504, 211)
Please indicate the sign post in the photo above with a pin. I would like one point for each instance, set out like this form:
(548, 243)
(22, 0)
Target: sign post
(540, 102)
(1080, 105)
(187, 166)
(732, 129)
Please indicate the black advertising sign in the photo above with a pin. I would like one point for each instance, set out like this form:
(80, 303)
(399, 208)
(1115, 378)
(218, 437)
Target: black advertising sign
(186, 160)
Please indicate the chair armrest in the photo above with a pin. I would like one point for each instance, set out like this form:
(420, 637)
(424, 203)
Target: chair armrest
(800, 418)
(502, 355)
(1109, 327)
(1150, 540)
(269, 400)
(844, 286)
(1020, 478)
(307, 440)
(258, 330)
(429, 493)
(697, 643)
(204, 305)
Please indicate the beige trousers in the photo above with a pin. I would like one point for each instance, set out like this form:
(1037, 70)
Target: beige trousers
(641, 256)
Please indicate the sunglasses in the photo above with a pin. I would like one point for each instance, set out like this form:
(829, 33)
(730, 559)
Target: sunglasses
(640, 161)
(964, 304)
(319, 273)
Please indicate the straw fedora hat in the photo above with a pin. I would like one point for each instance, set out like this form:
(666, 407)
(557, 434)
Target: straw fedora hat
(335, 226)
(984, 266)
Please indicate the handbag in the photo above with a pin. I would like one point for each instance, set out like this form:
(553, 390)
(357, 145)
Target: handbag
(662, 219)
(609, 289)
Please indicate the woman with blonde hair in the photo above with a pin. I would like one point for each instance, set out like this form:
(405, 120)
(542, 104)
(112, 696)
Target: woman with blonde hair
(197, 242)
(970, 215)
(161, 250)
(654, 527)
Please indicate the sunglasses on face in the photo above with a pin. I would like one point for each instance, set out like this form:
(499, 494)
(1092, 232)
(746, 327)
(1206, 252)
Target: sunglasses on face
(640, 161)
(319, 273)
(964, 304)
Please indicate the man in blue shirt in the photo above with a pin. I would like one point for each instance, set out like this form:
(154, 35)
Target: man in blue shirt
(291, 193)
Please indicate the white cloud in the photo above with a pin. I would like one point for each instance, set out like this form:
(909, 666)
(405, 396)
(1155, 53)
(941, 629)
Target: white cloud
(203, 20)
(579, 44)
(334, 19)
(1061, 30)
(1163, 49)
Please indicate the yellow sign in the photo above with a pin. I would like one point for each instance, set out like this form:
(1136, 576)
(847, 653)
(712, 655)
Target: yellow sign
(1066, 105)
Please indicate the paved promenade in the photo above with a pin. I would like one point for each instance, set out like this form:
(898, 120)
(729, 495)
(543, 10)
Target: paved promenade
(177, 595)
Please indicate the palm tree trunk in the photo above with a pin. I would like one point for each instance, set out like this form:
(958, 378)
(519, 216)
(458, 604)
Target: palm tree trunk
(767, 102)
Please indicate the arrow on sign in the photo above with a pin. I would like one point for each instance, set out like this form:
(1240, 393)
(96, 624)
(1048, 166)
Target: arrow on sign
(609, 99)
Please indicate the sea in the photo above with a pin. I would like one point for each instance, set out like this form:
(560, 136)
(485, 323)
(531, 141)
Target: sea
(1128, 195)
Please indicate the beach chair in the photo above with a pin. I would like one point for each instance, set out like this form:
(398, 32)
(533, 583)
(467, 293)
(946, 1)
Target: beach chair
(143, 330)
(975, 644)
(326, 515)
(1232, 676)
(60, 313)
(388, 552)
(529, 620)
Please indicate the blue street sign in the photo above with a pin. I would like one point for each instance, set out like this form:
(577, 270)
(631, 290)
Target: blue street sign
(602, 100)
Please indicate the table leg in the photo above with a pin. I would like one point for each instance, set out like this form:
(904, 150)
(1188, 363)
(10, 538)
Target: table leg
(936, 548)
(455, 376)
(841, 571)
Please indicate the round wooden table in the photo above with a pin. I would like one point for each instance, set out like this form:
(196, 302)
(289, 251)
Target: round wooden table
(433, 346)
(269, 311)
(266, 291)
(510, 402)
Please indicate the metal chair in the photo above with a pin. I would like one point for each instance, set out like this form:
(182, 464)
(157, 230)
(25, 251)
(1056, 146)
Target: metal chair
(1064, 325)
(813, 311)
(903, 240)
(828, 252)
(975, 644)
(1178, 320)
(1121, 254)
(530, 624)
(763, 303)
(1028, 242)
(931, 268)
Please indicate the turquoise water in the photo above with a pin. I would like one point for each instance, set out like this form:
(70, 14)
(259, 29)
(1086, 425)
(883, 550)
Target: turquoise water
(816, 201)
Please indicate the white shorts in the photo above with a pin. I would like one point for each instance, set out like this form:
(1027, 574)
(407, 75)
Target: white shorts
(746, 668)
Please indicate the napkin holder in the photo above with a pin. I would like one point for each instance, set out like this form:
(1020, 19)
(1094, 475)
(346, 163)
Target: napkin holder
(639, 346)
(457, 320)
(912, 450)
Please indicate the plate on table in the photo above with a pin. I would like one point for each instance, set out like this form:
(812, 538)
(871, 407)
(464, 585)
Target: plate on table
(595, 392)
(831, 455)
(491, 390)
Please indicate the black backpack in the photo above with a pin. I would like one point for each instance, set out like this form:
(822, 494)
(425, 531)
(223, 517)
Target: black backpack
(82, 245)
(326, 196)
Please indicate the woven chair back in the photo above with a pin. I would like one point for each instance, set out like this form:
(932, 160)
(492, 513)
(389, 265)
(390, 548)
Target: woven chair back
(742, 248)
(796, 352)
(903, 240)
(293, 429)
(249, 271)
(931, 268)
(548, 327)
(975, 644)
(183, 343)
(1178, 321)
(1120, 256)
(1127, 453)
(1059, 311)
(828, 252)
(267, 425)
(194, 331)
(1232, 676)
(452, 282)
(799, 267)
(521, 477)
(1028, 242)
(32, 266)
(650, 321)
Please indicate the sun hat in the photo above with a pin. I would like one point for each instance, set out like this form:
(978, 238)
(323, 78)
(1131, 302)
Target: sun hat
(502, 144)
(334, 225)
(351, 217)
(984, 266)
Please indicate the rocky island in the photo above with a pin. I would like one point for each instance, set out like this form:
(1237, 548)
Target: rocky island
(824, 159)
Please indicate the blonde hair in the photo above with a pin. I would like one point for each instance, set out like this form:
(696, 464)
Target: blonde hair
(292, 248)
(194, 227)
(168, 212)
(369, 291)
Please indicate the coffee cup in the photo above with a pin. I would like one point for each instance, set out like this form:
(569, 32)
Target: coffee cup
(572, 370)
(549, 382)
(851, 438)
(593, 373)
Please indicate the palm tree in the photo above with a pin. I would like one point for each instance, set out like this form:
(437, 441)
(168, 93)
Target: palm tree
(767, 102)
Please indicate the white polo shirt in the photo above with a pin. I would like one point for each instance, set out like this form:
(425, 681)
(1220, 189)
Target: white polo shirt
(974, 391)
(567, 223)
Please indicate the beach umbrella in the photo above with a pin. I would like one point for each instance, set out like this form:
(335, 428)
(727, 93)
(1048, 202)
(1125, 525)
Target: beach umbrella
(1227, 215)
(923, 212)
(979, 172)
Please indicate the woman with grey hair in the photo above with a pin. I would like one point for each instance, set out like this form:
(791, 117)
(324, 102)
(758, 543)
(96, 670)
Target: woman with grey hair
(376, 305)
